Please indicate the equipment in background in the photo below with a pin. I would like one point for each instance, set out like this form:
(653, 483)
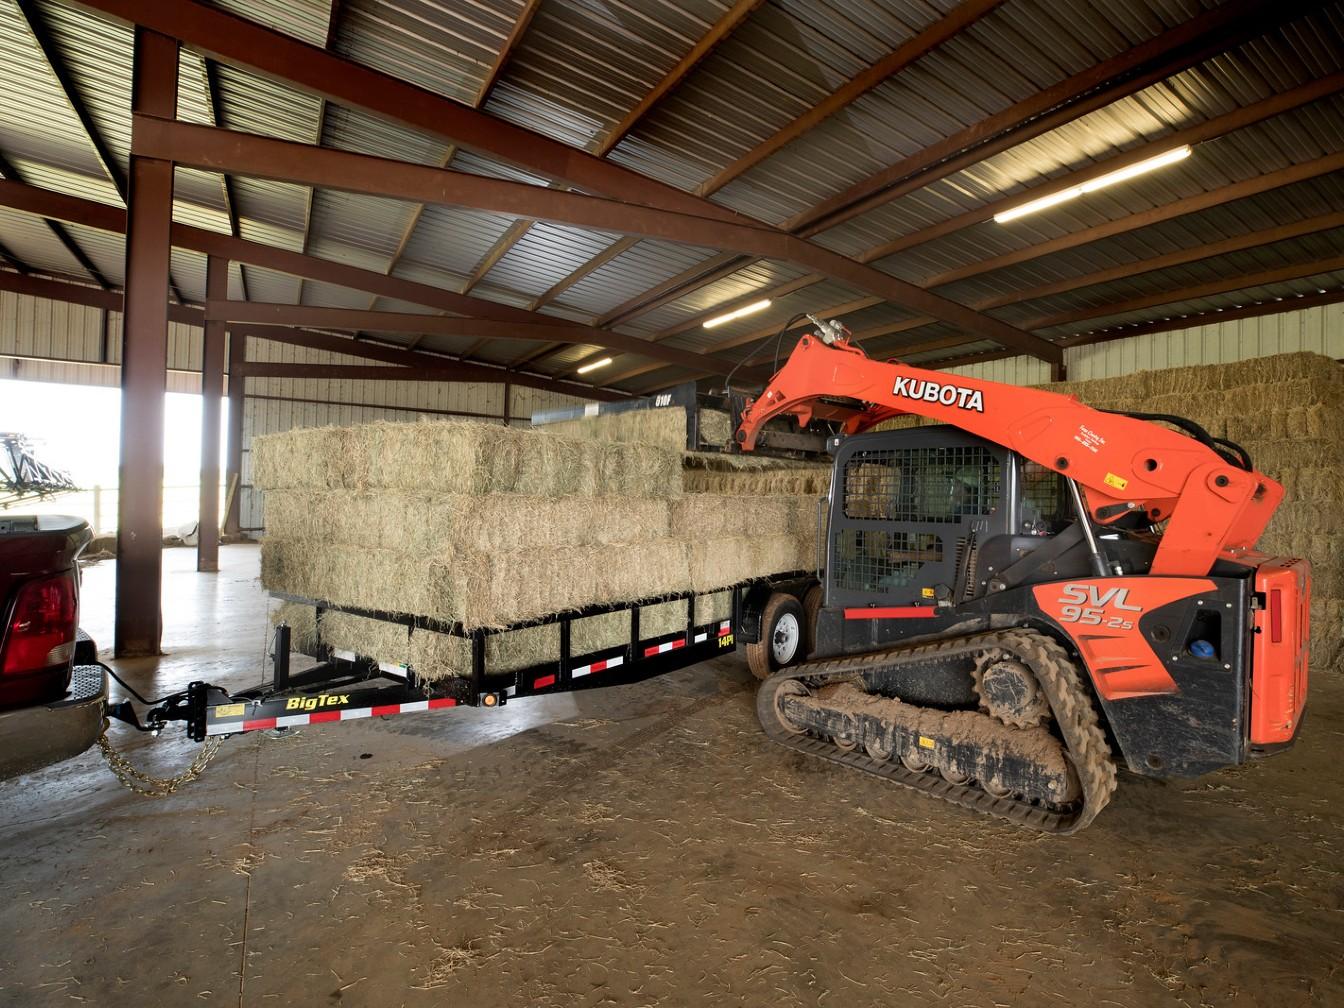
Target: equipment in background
(23, 477)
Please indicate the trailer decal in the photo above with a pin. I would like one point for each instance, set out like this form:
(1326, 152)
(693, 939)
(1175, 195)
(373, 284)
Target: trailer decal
(221, 723)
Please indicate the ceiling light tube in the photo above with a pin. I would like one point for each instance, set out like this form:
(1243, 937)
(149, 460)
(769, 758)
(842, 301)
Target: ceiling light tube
(750, 309)
(594, 365)
(1111, 178)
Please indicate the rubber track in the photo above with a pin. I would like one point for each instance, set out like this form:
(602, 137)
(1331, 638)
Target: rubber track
(1085, 743)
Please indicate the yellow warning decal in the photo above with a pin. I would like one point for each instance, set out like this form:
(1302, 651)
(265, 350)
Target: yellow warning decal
(1119, 482)
(926, 592)
(230, 710)
(927, 743)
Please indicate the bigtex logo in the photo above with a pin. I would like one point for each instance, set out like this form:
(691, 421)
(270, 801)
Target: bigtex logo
(314, 702)
(937, 392)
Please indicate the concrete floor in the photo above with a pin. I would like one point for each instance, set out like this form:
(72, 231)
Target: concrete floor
(641, 845)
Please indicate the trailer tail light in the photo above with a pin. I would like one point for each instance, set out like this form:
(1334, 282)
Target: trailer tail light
(41, 633)
(1281, 652)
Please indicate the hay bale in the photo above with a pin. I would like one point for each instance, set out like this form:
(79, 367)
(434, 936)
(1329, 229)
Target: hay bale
(475, 588)
(461, 458)
(716, 427)
(717, 563)
(664, 428)
(440, 525)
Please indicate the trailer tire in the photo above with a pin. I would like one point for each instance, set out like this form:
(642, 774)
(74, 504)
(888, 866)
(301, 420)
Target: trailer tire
(783, 636)
(811, 607)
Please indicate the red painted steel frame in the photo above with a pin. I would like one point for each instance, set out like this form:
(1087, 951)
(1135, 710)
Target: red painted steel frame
(1209, 505)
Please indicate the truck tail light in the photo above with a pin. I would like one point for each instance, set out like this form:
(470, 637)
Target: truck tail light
(41, 631)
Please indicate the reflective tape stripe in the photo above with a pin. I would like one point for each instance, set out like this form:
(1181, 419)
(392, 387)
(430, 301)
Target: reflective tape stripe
(597, 666)
(657, 649)
(700, 637)
(725, 628)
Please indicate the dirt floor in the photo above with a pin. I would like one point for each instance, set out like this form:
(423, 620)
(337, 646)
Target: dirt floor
(642, 845)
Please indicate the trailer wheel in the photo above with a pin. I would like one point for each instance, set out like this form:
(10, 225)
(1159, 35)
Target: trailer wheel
(783, 637)
(811, 606)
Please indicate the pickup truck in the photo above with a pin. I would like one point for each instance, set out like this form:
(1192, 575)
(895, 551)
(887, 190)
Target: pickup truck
(52, 689)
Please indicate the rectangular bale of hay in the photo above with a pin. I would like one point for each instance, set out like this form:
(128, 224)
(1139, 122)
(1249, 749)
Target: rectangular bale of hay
(438, 525)
(461, 458)
(475, 588)
(664, 427)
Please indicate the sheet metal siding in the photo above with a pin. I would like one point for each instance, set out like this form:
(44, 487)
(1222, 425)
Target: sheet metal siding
(1319, 330)
(101, 375)
(35, 327)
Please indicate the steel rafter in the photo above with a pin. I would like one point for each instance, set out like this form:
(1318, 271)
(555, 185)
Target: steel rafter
(1171, 52)
(213, 149)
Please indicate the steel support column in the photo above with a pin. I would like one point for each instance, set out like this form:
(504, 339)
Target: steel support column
(212, 391)
(233, 467)
(144, 362)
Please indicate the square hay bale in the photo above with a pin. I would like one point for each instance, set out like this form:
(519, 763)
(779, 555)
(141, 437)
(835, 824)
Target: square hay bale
(439, 525)
(475, 588)
(462, 458)
(717, 563)
(664, 427)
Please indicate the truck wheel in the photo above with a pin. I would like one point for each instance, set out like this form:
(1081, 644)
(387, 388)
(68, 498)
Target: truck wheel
(782, 637)
(811, 606)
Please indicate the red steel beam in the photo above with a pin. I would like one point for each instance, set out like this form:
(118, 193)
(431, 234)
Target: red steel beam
(98, 215)
(233, 466)
(415, 361)
(1171, 52)
(409, 322)
(248, 45)
(214, 149)
(212, 391)
(144, 363)
(911, 51)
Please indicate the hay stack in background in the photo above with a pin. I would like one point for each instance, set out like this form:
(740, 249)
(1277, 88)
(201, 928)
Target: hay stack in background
(1288, 412)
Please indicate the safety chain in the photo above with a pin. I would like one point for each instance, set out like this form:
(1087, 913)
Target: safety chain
(154, 787)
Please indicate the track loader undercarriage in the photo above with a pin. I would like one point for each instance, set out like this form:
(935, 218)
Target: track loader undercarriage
(1054, 776)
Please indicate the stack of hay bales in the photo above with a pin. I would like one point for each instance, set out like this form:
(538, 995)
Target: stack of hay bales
(489, 526)
(1288, 412)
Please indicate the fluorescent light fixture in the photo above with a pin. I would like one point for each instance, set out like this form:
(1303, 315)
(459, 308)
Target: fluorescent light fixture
(595, 365)
(750, 309)
(1119, 175)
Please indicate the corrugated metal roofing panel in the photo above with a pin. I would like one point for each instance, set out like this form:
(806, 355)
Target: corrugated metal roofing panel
(188, 271)
(547, 253)
(106, 250)
(198, 199)
(645, 265)
(369, 226)
(353, 130)
(30, 95)
(452, 240)
(30, 241)
(256, 104)
(303, 19)
(97, 53)
(584, 64)
(445, 48)
(334, 296)
(271, 212)
(54, 177)
(758, 276)
(266, 285)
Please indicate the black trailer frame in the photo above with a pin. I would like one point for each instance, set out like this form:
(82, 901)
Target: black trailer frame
(346, 687)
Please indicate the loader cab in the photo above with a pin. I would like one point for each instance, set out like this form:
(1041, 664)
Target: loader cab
(912, 511)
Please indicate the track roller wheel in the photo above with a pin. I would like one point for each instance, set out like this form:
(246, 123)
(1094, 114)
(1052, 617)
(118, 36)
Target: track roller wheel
(875, 750)
(913, 763)
(788, 688)
(782, 637)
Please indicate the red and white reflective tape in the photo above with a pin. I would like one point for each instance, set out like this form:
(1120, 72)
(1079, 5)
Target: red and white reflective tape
(323, 717)
(725, 628)
(597, 666)
(657, 649)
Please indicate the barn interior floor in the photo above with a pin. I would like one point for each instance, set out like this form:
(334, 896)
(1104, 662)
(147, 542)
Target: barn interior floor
(642, 845)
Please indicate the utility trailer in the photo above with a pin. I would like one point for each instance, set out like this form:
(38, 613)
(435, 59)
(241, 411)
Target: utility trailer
(346, 687)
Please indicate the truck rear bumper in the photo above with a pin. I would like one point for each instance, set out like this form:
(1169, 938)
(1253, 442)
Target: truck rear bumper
(34, 737)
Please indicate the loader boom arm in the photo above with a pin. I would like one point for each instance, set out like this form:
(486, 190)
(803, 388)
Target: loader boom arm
(1123, 464)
